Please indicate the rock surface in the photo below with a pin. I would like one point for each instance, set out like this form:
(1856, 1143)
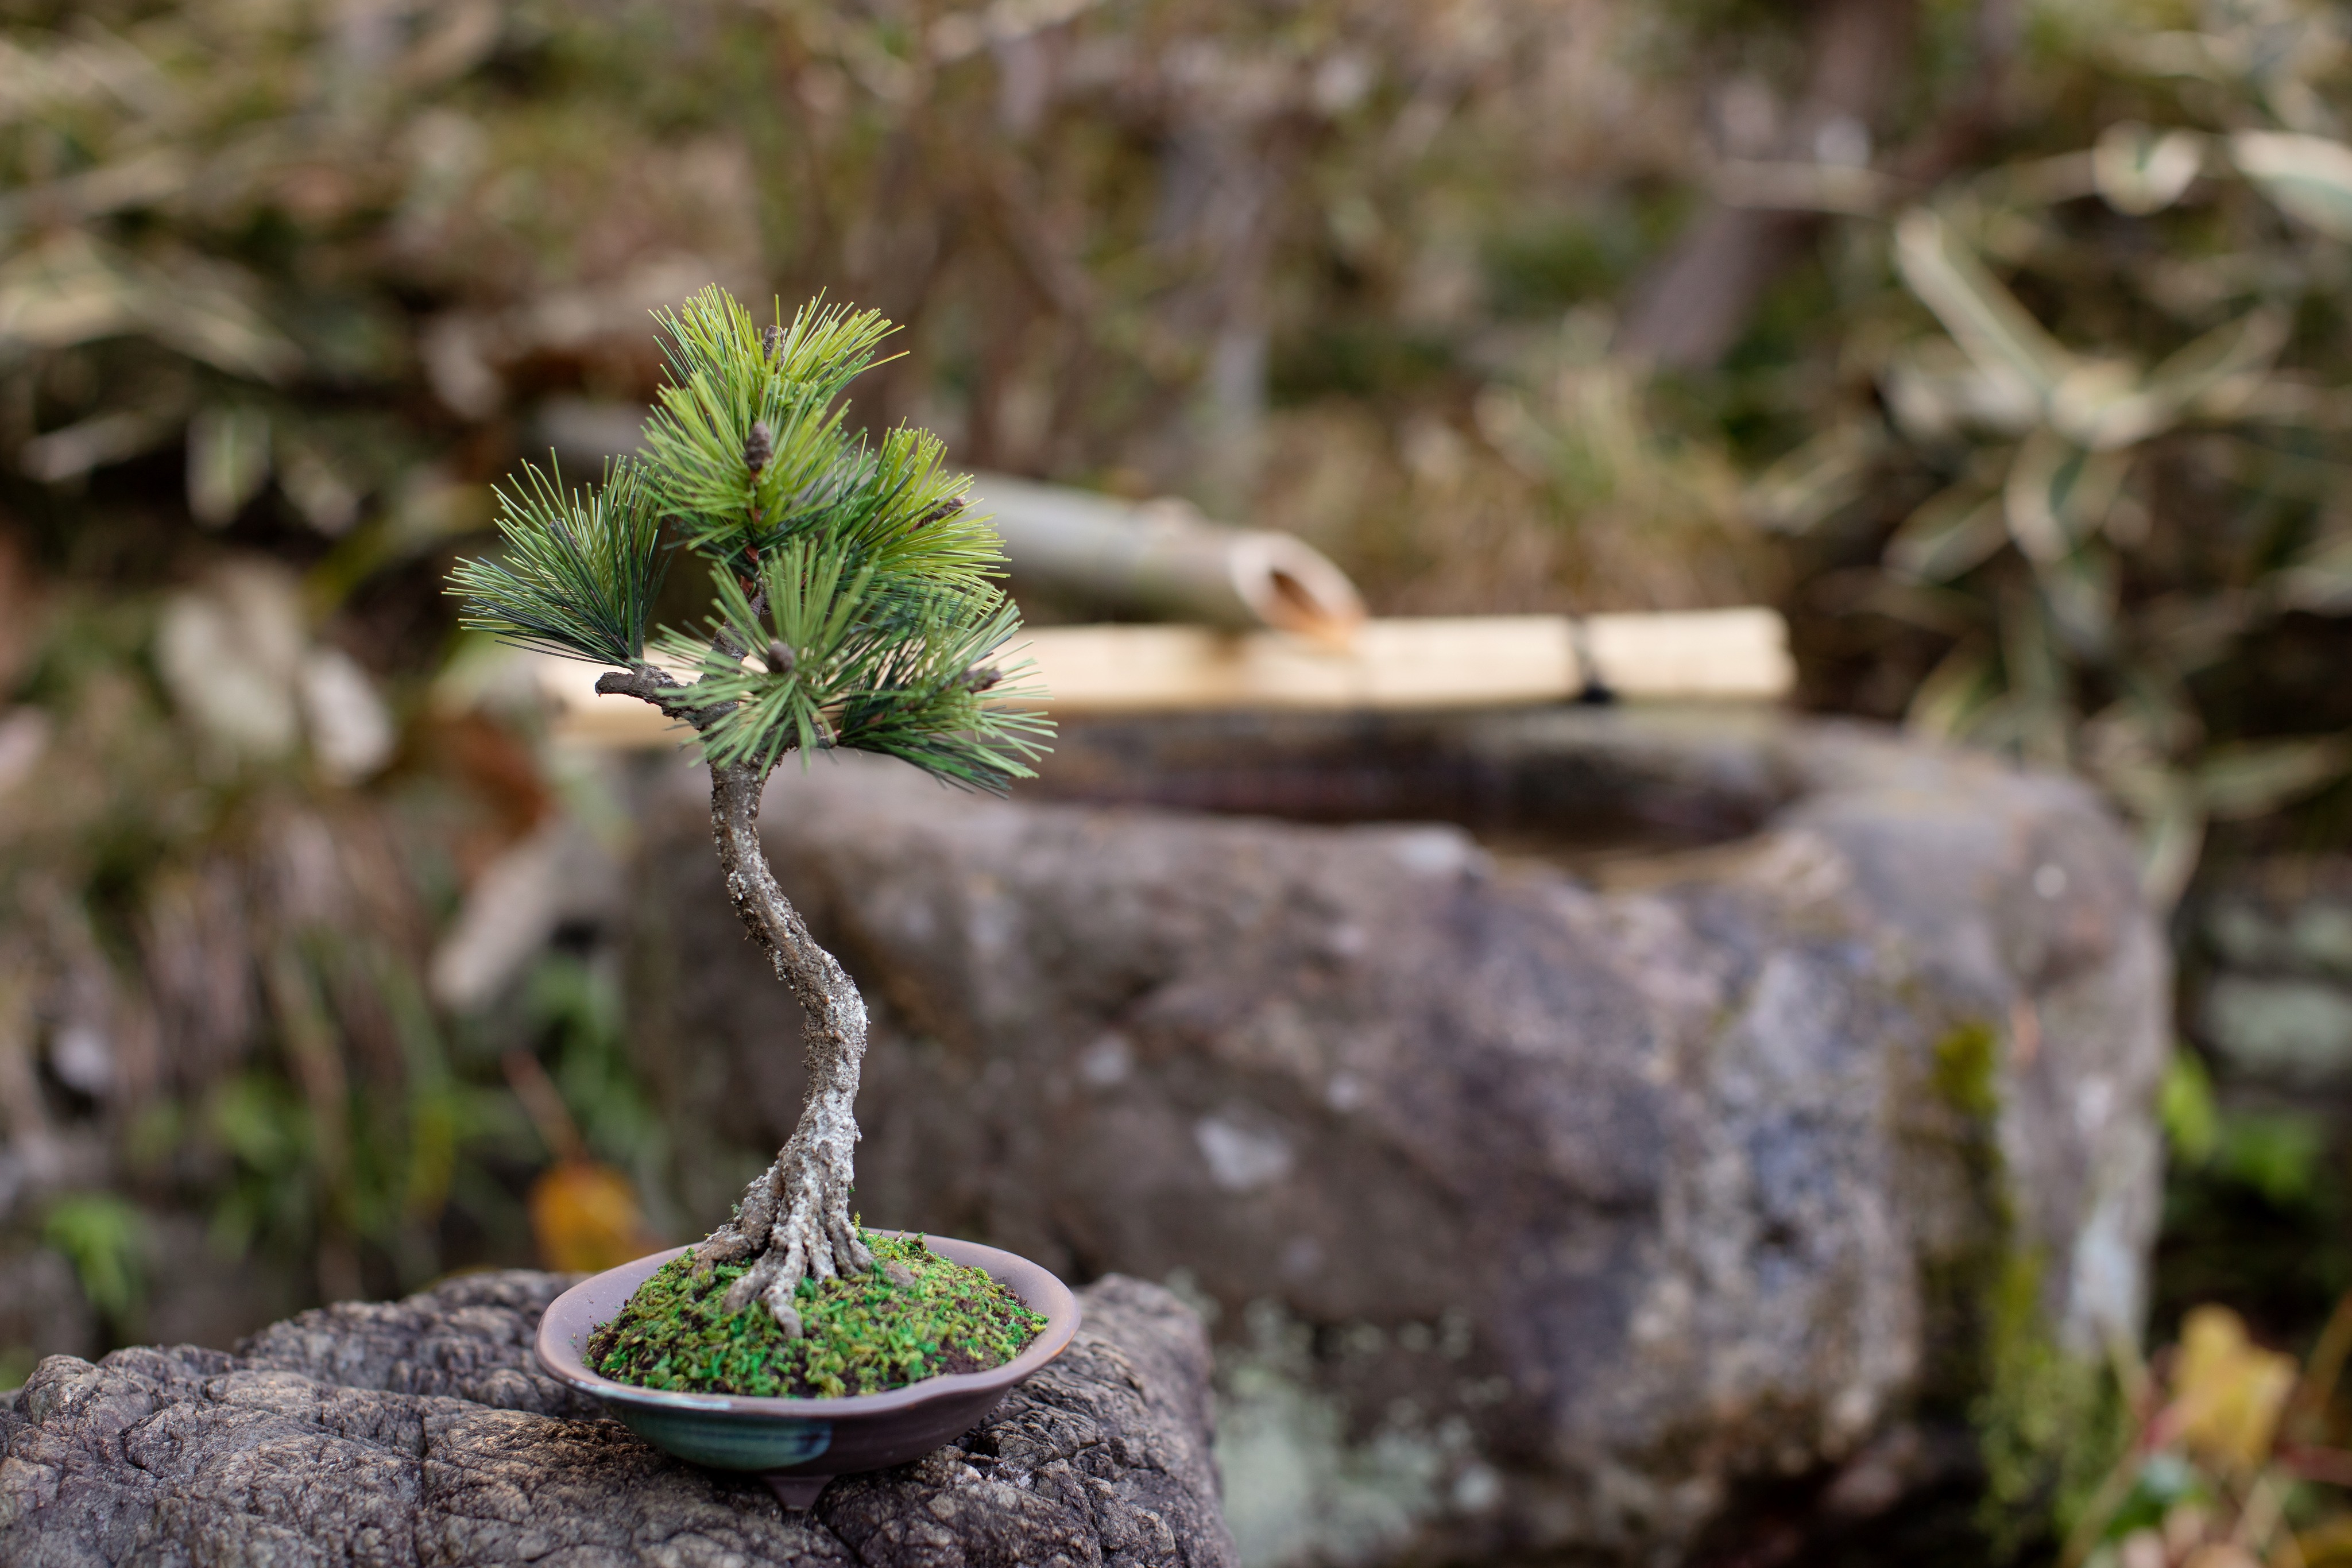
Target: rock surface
(1658, 1109)
(414, 1432)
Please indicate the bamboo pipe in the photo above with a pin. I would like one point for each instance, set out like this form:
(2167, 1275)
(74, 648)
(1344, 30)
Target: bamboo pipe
(1162, 560)
(1153, 560)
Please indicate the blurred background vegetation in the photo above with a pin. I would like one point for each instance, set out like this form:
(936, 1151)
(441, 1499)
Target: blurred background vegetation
(2001, 343)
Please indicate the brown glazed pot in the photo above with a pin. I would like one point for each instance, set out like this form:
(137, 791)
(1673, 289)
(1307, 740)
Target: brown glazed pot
(798, 1445)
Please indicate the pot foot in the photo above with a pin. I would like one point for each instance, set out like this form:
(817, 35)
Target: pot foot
(797, 1493)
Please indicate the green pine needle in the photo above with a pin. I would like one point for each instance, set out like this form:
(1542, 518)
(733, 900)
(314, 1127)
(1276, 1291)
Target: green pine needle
(847, 658)
(856, 605)
(580, 570)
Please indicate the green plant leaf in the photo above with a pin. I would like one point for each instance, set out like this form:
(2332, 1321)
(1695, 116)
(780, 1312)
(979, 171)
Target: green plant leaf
(2140, 170)
(228, 460)
(2057, 495)
(1983, 316)
(846, 657)
(726, 376)
(2280, 1154)
(2037, 711)
(1935, 391)
(2320, 580)
(2253, 778)
(2082, 589)
(2106, 405)
(106, 1237)
(1811, 484)
(1952, 699)
(2185, 1105)
(2251, 343)
(2172, 837)
(1951, 533)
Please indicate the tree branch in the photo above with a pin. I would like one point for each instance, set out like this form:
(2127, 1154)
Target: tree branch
(650, 683)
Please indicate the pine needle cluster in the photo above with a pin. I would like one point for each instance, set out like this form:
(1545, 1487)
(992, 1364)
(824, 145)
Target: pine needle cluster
(855, 600)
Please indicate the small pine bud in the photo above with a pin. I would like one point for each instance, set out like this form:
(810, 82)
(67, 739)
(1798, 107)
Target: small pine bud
(759, 446)
(772, 340)
(780, 658)
(979, 678)
(940, 513)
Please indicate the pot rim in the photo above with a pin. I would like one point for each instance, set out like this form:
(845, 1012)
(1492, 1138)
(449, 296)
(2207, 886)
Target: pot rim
(1027, 1280)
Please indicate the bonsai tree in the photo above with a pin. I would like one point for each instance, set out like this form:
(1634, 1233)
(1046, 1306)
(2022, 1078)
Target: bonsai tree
(852, 608)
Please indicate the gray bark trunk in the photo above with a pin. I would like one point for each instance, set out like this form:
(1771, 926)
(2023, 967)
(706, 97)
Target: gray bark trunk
(793, 1221)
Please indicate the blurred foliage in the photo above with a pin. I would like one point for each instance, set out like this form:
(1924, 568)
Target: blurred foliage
(2097, 389)
(329, 267)
(2255, 1212)
(248, 254)
(2236, 1459)
(220, 951)
(107, 1241)
(297, 280)
(2036, 438)
(2052, 429)
(586, 1217)
(2048, 1424)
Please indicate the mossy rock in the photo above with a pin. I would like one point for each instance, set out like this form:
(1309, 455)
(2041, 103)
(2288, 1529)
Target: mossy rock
(915, 1315)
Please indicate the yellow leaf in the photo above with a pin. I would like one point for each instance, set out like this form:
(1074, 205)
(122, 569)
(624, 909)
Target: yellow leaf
(585, 1216)
(2227, 1391)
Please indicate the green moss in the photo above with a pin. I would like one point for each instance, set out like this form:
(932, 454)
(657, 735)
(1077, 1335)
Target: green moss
(1968, 1070)
(2049, 1424)
(861, 1335)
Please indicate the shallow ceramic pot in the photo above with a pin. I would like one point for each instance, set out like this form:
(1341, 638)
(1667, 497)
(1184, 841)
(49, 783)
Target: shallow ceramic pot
(798, 1445)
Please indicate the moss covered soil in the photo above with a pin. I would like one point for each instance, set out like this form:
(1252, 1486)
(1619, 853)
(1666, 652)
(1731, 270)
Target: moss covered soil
(916, 1315)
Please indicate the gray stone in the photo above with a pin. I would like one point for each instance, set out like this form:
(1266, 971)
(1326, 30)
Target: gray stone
(414, 1432)
(1645, 1113)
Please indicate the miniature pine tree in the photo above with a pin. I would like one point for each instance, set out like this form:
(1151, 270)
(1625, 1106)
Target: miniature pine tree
(854, 608)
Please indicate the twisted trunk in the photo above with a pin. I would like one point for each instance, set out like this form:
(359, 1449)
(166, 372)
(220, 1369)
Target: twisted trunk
(794, 1220)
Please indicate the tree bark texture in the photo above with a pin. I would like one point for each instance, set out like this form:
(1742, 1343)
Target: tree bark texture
(405, 1432)
(794, 1220)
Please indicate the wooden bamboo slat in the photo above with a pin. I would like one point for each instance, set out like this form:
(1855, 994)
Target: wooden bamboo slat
(1439, 662)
